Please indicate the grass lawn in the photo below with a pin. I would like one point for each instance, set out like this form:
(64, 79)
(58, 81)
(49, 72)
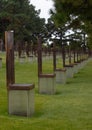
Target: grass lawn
(69, 109)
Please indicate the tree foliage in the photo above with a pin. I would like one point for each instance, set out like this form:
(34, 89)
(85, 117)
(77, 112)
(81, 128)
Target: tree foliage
(20, 16)
(75, 13)
(82, 8)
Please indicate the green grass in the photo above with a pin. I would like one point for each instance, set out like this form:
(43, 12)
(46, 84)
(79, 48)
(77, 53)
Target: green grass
(69, 109)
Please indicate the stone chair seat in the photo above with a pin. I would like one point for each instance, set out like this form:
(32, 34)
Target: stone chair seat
(61, 69)
(21, 99)
(31, 56)
(16, 86)
(47, 83)
(47, 75)
(71, 65)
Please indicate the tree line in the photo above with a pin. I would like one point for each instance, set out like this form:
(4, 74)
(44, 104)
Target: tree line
(20, 16)
(24, 19)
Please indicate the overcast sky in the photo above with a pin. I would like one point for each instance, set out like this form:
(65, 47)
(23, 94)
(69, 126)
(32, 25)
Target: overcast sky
(44, 5)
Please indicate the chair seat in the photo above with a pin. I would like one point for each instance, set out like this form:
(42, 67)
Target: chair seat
(21, 86)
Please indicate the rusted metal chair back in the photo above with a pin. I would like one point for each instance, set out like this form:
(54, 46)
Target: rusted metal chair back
(9, 45)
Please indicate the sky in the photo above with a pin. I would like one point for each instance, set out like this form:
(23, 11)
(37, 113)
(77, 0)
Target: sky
(44, 5)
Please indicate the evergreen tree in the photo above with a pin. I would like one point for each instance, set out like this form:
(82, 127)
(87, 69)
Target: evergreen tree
(20, 16)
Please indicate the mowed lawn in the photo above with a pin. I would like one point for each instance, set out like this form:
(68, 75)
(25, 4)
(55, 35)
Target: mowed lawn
(69, 109)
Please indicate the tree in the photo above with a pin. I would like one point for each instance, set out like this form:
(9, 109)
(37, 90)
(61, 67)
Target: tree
(20, 16)
(75, 14)
(81, 8)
